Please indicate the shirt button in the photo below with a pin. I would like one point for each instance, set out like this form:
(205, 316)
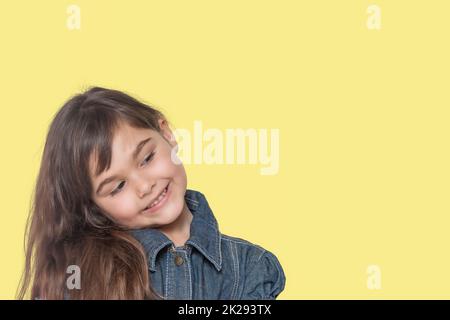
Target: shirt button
(179, 260)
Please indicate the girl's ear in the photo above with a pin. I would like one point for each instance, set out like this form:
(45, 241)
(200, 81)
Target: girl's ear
(166, 132)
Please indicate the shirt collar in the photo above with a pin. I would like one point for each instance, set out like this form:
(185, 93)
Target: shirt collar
(204, 233)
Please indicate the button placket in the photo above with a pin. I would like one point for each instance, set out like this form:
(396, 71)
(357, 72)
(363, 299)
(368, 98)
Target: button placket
(178, 259)
(181, 273)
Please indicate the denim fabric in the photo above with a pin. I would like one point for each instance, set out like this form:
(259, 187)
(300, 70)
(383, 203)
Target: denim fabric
(210, 265)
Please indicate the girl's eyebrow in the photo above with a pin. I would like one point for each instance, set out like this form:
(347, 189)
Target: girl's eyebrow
(136, 152)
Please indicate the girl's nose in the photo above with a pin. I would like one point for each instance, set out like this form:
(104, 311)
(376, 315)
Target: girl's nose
(144, 189)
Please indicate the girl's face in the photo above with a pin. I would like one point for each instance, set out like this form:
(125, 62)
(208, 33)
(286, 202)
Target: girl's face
(141, 170)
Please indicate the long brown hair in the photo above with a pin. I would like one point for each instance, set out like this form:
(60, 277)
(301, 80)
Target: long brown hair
(65, 227)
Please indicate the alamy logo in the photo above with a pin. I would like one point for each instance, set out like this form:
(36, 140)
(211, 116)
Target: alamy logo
(74, 280)
(374, 18)
(231, 146)
(74, 17)
(373, 277)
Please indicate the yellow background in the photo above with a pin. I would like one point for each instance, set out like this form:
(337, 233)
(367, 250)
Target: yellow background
(363, 118)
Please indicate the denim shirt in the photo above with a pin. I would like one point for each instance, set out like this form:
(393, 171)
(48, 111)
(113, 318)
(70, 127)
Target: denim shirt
(210, 265)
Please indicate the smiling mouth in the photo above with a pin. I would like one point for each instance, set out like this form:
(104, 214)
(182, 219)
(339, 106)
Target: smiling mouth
(158, 199)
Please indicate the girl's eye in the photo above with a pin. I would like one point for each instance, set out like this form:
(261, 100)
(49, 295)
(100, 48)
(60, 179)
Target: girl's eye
(116, 190)
(149, 157)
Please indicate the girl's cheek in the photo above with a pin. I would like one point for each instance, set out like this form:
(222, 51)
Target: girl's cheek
(171, 169)
(163, 167)
(123, 206)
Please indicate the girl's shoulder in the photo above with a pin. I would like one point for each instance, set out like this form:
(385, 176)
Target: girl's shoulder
(253, 251)
(261, 270)
(242, 242)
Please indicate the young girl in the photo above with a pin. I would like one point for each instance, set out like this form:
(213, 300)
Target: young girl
(111, 199)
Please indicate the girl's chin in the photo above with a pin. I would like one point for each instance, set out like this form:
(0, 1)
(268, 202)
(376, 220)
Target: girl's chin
(167, 215)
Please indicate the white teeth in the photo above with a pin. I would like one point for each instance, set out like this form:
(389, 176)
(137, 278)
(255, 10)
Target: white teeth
(160, 197)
